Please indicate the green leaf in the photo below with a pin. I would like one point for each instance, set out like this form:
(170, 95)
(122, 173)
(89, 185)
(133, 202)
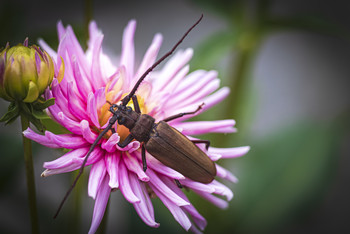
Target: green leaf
(54, 127)
(11, 114)
(26, 110)
(39, 114)
(42, 104)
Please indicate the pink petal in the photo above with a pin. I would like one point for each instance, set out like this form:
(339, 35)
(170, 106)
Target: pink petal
(198, 186)
(213, 157)
(203, 127)
(110, 144)
(131, 147)
(191, 79)
(100, 204)
(74, 48)
(213, 199)
(162, 188)
(67, 159)
(159, 167)
(194, 83)
(47, 48)
(209, 101)
(171, 68)
(94, 32)
(58, 115)
(230, 152)
(68, 141)
(125, 186)
(145, 207)
(41, 139)
(179, 215)
(199, 82)
(225, 174)
(71, 164)
(178, 78)
(222, 190)
(82, 82)
(96, 72)
(68, 123)
(215, 98)
(97, 175)
(60, 30)
(127, 55)
(62, 53)
(100, 97)
(196, 95)
(123, 78)
(75, 105)
(195, 230)
(150, 55)
(92, 110)
(95, 102)
(134, 165)
(60, 100)
(112, 166)
(88, 135)
(196, 217)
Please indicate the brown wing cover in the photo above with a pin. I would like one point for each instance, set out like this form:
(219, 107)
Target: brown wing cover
(176, 151)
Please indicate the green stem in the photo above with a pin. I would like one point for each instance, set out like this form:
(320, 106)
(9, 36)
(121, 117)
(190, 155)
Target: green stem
(27, 146)
(239, 83)
(76, 207)
(239, 75)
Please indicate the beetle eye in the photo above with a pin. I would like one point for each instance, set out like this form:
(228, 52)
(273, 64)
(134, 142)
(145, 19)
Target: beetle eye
(113, 108)
(121, 120)
(128, 109)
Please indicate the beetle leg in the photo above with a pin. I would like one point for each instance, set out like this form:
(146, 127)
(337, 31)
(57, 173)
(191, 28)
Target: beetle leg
(127, 140)
(182, 114)
(178, 184)
(136, 104)
(143, 153)
(207, 143)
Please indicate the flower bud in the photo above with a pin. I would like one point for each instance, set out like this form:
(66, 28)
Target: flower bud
(25, 72)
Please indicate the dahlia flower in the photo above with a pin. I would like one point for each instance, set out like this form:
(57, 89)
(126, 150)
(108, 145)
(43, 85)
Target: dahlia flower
(91, 81)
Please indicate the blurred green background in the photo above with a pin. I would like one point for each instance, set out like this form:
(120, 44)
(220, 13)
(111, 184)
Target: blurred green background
(288, 66)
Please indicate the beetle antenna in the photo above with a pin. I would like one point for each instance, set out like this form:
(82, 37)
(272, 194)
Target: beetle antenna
(82, 166)
(126, 99)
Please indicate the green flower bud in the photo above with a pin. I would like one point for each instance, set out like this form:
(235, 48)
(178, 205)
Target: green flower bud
(25, 72)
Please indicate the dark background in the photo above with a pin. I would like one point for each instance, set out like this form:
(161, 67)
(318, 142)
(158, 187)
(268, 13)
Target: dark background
(293, 111)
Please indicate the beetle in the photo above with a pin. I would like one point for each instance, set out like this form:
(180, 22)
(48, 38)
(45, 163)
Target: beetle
(162, 141)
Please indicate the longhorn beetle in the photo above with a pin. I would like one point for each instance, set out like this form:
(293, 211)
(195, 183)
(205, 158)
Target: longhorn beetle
(161, 140)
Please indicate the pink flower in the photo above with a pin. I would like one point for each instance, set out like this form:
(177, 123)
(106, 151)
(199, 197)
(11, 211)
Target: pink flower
(90, 80)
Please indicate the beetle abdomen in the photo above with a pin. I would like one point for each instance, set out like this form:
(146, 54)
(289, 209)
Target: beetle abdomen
(176, 151)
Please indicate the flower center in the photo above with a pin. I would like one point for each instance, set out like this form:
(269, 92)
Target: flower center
(105, 114)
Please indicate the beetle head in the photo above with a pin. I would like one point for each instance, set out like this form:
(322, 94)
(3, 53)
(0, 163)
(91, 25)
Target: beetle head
(124, 115)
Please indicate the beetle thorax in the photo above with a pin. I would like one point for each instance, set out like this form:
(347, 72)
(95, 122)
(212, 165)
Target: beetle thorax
(142, 128)
(139, 125)
(127, 117)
